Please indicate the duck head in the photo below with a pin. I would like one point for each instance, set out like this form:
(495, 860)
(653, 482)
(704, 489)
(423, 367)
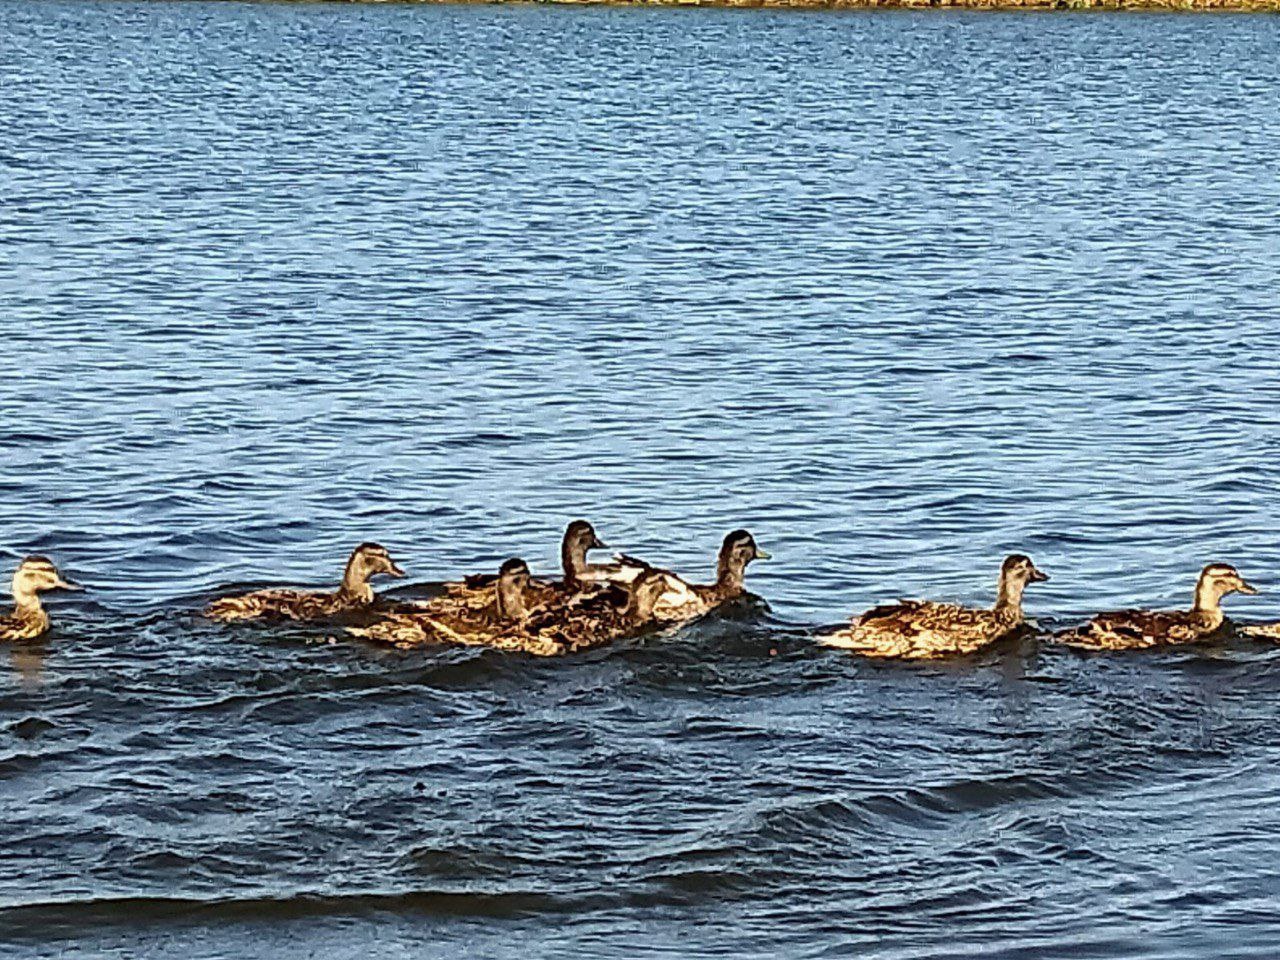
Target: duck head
(513, 577)
(738, 550)
(1015, 573)
(579, 537)
(1216, 581)
(367, 561)
(34, 576)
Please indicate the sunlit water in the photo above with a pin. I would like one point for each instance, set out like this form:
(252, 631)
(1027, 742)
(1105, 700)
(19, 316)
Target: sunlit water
(900, 293)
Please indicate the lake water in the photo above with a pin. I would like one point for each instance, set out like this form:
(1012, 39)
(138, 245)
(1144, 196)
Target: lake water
(898, 292)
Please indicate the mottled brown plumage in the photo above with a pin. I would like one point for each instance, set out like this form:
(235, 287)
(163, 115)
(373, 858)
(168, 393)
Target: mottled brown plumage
(567, 622)
(1141, 629)
(478, 592)
(1262, 631)
(28, 620)
(367, 561)
(681, 600)
(925, 630)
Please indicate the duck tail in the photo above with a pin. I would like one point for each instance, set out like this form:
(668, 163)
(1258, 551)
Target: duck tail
(840, 639)
(1262, 631)
(232, 608)
(1073, 637)
(630, 561)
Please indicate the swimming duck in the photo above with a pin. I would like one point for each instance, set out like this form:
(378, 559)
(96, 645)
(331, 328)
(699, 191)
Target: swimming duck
(367, 561)
(587, 620)
(457, 615)
(925, 630)
(34, 576)
(579, 538)
(567, 622)
(1139, 629)
(683, 600)
(477, 591)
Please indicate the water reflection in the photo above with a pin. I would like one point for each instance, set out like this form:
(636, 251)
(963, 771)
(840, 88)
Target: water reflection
(26, 659)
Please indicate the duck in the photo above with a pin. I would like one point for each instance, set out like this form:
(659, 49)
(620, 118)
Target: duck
(477, 591)
(456, 615)
(683, 601)
(927, 630)
(1141, 629)
(34, 576)
(367, 561)
(580, 538)
(585, 621)
(566, 623)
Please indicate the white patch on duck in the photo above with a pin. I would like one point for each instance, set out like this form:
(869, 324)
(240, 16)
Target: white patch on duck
(682, 600)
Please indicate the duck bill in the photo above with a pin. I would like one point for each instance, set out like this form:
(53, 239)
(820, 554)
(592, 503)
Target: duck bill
(1247, 588)
(763, 554)
(68, 585)
(597, 544)
(393, 570)
(1039, 576)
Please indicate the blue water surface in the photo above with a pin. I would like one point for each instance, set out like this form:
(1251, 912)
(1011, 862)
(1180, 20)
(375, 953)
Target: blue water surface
(898, 292)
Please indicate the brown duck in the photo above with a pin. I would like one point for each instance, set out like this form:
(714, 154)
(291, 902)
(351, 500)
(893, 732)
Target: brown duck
(682, 600)
(926, 630)
(34, 576)
(477, 591)
(369, 560)
(1140, 629)
(566, 623)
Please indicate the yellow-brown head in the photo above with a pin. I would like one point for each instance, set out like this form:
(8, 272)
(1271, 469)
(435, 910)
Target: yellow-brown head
(371, 560)
(36, 575)
(1216, 581)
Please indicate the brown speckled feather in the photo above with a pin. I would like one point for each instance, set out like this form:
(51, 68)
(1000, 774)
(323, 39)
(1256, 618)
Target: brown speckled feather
(367, 561)
(923, 630)
(583, 621)
(480, 592)
(281, 604)
(1262, 631)
(1140, 629)
(23, 624)
(566, 624)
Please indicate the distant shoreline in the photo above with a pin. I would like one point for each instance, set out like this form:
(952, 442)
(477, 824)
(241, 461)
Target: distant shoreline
(1199, 6)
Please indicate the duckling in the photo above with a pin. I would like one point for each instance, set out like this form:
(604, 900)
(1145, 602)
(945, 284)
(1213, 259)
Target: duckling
(1139, 629)
(367, 561)
(579, 538)
(568, 623)
(587, 620)
(456, 616)
(683, 600)
(477, 590)
(34, 576)
(925, 630)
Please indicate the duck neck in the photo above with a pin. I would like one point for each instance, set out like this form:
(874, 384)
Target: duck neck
(510, 601)
(26, 601)
(730, 577)
(1009, 598)
(1208, 601)
(355, 583)
(573, 558)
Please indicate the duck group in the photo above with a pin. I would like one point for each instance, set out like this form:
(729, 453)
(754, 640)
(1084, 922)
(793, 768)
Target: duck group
(593, 604)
